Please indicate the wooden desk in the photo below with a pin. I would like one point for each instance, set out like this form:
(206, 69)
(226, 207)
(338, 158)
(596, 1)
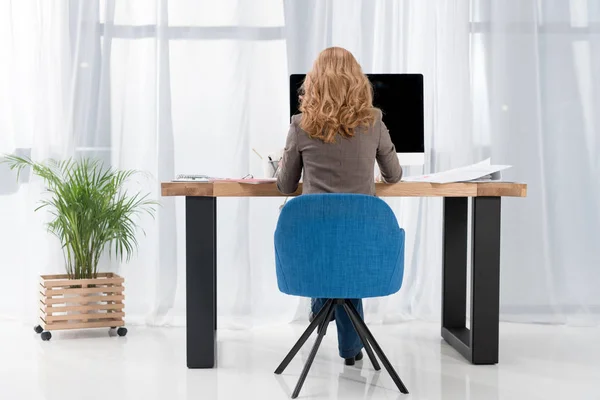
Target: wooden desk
(479, 344)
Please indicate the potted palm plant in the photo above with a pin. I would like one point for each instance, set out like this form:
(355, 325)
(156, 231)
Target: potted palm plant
(91, 213)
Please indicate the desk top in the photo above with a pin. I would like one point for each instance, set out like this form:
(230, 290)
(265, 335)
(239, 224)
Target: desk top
(401, 189)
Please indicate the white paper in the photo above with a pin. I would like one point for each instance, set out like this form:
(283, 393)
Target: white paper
(192, 178)
(480, 171)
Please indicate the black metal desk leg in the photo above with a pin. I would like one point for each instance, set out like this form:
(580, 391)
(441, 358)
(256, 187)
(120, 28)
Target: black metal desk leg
(479, 345)
(485, 280)
(201, 281)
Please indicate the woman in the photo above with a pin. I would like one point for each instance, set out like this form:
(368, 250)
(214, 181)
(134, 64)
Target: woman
(335, 142)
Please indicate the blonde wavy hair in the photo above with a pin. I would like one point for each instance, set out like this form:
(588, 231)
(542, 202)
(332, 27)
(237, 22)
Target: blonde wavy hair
(336, 96)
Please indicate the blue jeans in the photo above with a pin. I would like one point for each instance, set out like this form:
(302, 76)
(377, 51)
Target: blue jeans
(349, 342)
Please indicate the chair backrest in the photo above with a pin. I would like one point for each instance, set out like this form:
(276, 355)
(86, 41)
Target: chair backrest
(343, 246)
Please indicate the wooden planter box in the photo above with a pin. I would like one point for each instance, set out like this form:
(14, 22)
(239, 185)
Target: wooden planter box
(81, 303)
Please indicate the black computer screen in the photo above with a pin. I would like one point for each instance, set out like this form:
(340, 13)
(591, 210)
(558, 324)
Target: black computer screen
(400, 98)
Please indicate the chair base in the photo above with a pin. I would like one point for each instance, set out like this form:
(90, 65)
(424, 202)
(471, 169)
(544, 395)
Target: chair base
(321, 322)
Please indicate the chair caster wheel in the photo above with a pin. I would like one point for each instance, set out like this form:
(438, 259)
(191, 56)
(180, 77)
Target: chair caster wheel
(38, 329)
(46, 336)
(122, 331)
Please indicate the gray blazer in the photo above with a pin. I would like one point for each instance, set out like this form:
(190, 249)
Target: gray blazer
(346, 166)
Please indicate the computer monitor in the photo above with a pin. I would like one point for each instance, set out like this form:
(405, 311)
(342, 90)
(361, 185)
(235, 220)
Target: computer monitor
(400, 98)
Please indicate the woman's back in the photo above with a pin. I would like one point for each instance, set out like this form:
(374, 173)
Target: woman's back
(339, 135)
(345, 166)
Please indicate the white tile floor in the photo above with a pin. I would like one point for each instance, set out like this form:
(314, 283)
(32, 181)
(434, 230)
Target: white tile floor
(536, 362)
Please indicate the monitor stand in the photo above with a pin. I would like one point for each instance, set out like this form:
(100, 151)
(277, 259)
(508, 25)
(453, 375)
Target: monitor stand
(406, 160)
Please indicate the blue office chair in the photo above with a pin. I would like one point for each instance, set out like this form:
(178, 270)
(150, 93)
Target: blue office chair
(338, 247)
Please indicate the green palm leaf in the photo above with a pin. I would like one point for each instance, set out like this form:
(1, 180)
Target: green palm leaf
(90, 208)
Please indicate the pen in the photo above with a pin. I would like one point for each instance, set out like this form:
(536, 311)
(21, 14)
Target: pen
(257, 153)
(273, 165)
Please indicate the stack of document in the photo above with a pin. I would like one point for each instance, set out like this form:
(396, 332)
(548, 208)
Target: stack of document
(193, 178)
(480, 172)
(205, 178)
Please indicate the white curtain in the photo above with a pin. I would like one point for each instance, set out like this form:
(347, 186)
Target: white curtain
(36, 98)
(191, 86)
(536, 86)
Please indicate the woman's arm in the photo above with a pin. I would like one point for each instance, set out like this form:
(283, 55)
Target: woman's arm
(290, 167)
(387, 159)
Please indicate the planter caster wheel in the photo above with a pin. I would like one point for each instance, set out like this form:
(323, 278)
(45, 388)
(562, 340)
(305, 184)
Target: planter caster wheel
(122, 331)
(46, 336)
(38, 329)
